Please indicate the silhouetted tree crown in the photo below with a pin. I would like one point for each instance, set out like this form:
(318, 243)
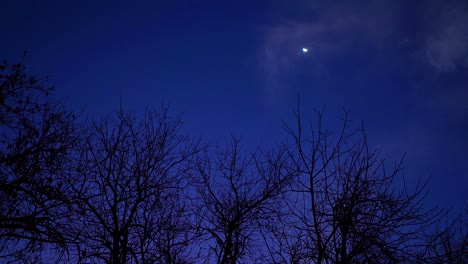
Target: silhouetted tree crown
(36, 137)
(136, 189)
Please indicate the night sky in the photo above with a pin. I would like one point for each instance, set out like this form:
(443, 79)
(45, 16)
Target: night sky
(237, 68)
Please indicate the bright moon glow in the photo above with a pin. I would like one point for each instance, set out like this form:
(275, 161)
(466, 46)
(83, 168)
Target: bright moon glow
(304, 50)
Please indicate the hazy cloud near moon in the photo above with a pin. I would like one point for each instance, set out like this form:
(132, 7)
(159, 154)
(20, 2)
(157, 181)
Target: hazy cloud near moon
(447, 41)
(335, 29)
(427, 41)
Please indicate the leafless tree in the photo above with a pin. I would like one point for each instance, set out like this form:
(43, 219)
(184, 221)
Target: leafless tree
(446, 242)
(239, 192)
(346, 206)
(129, 190)
(36, 137)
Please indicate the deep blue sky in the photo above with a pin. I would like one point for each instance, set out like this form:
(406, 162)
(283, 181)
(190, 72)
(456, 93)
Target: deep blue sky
(236, 67)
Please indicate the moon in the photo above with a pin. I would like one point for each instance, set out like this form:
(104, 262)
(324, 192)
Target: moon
(304, 50)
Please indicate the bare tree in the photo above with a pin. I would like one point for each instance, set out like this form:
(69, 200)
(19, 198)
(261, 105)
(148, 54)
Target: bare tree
(129, 190)
(239, 193)
(346, 206)
(36, 137)
(446, 243)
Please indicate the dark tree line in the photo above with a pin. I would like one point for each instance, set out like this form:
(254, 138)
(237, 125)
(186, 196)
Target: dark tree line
(128, 186)
(345, 205)
(238, 194)
(128, 189)
(36, 137)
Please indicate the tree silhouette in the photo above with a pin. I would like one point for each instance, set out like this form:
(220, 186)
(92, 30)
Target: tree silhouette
(239, 192)
(346, 206)
(447, 243)
(36, 136)
(136, 190)
(128, 186)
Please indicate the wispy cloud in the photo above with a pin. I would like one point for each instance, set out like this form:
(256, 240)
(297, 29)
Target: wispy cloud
(447, 41)
(420, 46)
(428, 37)
(333, 31)
(438, 36)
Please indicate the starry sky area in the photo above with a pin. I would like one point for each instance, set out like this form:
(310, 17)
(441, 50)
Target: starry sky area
(237, 68)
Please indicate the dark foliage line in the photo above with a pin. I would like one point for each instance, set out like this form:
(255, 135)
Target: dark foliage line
(128, 189)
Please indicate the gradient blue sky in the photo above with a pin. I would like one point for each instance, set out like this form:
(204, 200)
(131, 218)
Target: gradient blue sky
(236, 67)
